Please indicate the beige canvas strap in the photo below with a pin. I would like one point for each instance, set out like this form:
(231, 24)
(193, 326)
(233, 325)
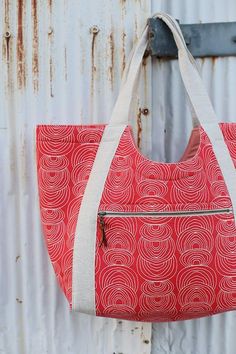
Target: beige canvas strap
(83, 284)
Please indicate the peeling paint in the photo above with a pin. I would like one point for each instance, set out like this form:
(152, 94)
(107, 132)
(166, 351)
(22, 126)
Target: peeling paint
(21, 71)
(35, 61)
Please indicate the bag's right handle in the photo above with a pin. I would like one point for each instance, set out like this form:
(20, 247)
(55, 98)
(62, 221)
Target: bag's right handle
(197, 94)
(127, 67)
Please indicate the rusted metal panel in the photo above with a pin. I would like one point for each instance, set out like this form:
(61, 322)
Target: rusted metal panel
(55, 69)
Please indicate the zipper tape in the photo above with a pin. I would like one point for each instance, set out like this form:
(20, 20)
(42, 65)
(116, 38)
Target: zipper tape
(164, 213)
(102, 214)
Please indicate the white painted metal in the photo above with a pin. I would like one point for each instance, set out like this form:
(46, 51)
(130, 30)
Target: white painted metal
(53, 70)
(214, 335)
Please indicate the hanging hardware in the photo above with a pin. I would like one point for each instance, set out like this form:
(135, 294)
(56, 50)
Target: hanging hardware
(202, 39)
(94, 29)
(183, 213)
(7, 34)
(102, 228)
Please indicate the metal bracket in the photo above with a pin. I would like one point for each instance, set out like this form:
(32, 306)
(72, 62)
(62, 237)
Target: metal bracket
(202, 39)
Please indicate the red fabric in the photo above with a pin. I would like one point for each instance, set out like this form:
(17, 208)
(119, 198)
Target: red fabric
(153, 269)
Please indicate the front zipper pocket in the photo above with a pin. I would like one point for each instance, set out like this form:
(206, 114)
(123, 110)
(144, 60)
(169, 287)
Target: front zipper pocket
(154, 214)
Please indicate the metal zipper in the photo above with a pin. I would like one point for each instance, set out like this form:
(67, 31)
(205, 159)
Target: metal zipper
(102, 214)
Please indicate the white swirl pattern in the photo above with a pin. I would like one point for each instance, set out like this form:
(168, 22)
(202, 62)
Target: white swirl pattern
(153, 269)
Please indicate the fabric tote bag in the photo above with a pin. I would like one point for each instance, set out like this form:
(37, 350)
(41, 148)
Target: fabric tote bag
(133, 238)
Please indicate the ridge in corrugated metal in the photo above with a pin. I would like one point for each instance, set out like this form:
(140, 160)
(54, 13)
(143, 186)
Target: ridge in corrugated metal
(54, 69)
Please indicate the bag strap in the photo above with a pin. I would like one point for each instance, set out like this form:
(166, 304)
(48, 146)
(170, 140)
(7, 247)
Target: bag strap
(195, 121)
(197, 94)
(131, 72)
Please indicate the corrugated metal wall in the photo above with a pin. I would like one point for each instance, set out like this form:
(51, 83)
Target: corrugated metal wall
(56, 67)
(214, 335)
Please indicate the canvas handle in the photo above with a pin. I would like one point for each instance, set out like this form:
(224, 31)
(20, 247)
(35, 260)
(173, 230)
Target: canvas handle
(196, 91)
(198, 96)
(128, 63)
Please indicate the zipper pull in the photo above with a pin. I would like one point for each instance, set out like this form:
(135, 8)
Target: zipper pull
(102, 227)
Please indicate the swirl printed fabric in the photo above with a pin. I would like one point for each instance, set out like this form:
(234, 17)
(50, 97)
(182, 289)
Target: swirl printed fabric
(152, 269)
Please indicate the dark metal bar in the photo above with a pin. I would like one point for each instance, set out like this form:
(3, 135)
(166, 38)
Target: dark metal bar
(202, 39)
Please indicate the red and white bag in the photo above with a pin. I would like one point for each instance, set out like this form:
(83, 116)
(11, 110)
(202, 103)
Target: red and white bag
(133, 238)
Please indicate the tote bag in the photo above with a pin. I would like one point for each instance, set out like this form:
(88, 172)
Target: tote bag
(133, 238)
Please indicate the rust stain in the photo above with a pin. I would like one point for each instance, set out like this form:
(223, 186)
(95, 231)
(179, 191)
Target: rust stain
(21, 72)
(51, 67)
(111, 67)
(139, 130)
(6, 43)
(6, 46)
(144, 63)
(202, 61)
(214, 59)
(123, 51)
(123, 34)
(50, 4)
(123, 8)
(35, 61)
(145, 112)
(6, 3)
(93, 66)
